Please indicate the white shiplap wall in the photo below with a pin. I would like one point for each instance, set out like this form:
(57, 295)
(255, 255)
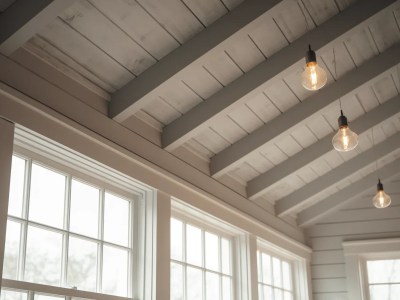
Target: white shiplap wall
(358, 220)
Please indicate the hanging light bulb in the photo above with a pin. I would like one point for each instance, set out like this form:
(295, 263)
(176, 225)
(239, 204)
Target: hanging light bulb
(345, 139)
(381, 199)
(314, 77)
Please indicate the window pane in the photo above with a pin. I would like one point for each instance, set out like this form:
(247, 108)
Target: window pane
(266, 269)
(47, 195)
(193, 245)
(13, 295)
(276, 268)
(287, 284)
(384, 292)
(278, 294)
(212, 251)
(268, 293)
(115, 271)
(383, 271)
(212, 286)
(176, 282)
(226, 256)
(194, 284)
(11, 254)
(260, 292)
(176, 239)
(47, 297)
(116, 220)
(84, 216)
(226, 288)
(16, 186)
(287, 296)
(43, 256)
(82, 264)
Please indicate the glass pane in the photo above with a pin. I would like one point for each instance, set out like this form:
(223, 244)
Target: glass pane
(212, 251)
(176, 282)
(47, 297)
(16, 186)
(11, 254)
(47, 195)
(82, 264)
(287, 282)
(193, 245)
(226, 288)
(226, 256)
(276, 268)
(287, 296)
(115, 271)
(260, 292)
(13, 295)
(84, 216)
(278, 294)
(384, 271)
(266, 269)
(268, 293)
(194, 286)
(43, 256)
(384, 292)
(212, 286)
(176, 239)
(116, 220)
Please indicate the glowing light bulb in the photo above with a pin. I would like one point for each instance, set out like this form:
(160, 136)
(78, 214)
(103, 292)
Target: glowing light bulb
(345, 139)
(314, 77)
(381, 199)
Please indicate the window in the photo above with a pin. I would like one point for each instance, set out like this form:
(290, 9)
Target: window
(64, 231)
(384, 279)
(201, 262)
(274, 277)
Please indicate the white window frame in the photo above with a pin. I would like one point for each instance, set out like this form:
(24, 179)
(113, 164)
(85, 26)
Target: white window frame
(34, 147)
(298, 267)
(356, 255)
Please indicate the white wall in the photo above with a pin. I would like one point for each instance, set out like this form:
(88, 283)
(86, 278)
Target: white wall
(358, 220)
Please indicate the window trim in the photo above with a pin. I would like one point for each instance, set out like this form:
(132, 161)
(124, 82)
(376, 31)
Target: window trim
(357, 253)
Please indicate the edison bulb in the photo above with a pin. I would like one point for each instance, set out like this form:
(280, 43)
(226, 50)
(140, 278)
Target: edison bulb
(381, 199)
(345, 139)
(314, 77)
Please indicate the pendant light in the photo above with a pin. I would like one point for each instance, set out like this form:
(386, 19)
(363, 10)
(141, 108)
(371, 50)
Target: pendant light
(345, 139)
(381, 199)
(314, 77)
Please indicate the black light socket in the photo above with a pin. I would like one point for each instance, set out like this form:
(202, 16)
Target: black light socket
(379, 185)
(310, 55)
(342, 120)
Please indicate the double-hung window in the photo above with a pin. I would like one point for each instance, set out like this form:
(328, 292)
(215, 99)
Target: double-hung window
(384, 279)
(201, 262)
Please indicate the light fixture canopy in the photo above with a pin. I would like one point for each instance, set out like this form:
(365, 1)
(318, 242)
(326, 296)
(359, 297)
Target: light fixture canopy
(381, 199)
(345, 139)
(314, 77)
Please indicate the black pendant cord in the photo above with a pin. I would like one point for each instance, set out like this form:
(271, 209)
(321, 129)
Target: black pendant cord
(302, 7)
(375, 154)
(335, 67)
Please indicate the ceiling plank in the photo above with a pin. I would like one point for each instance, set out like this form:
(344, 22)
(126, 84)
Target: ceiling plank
(292, 202)
(261, 183)
(130, 98)
(24, 18)
(314, 213)
(280, 64)
(298, 114)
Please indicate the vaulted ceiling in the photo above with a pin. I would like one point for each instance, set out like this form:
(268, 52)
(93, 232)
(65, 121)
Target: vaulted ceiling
(217, 84)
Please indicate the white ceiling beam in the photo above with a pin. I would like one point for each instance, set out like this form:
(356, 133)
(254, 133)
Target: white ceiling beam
(236, 154)
(130, 98)
(260, 184)
(332, 203)
(279, 65)
(292, 202)
(24, 18)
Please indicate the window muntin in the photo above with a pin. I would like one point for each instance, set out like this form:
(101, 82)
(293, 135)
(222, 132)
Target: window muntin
(384, 279)
(274, 277)
(43, 246)
(201, 263)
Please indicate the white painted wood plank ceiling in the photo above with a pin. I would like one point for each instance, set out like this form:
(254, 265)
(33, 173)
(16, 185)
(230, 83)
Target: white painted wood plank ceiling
(217, 83)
